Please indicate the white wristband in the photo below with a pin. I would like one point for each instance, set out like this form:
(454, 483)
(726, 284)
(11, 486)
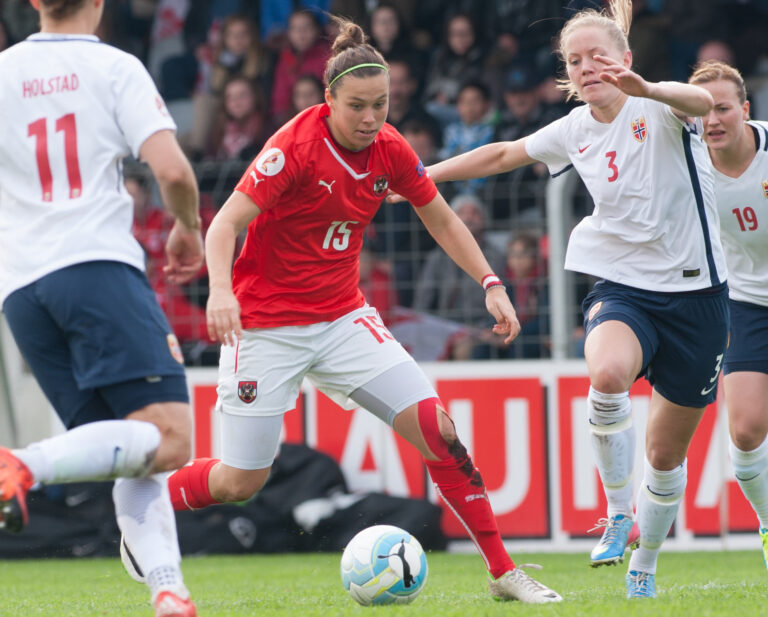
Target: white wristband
(490, 280)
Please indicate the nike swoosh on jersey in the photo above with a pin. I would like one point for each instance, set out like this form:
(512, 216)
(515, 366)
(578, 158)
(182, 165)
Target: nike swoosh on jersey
(581, 150)
(705, 391)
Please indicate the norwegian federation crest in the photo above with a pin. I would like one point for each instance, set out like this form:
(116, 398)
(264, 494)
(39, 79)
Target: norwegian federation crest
(380, 185)
(246, 390)
(639, 130)
(765, 188)
(175, 348)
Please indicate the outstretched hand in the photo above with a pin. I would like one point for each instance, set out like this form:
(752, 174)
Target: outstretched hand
(184, 249)
(498, 304)
(624, 78)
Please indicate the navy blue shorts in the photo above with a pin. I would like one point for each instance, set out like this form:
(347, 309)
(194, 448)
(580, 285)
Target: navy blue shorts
(683, 335)
(748, 346)
(97, 341)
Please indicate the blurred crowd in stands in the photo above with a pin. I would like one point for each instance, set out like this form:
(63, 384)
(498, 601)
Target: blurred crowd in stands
(463, 73)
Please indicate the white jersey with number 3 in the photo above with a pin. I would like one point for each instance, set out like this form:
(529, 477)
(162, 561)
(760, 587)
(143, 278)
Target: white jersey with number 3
(655, 223)
(743, 206)
(71, 108)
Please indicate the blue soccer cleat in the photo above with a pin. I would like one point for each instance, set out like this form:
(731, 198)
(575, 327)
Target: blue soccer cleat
(640, 584)
(764, 540)
(610, 549)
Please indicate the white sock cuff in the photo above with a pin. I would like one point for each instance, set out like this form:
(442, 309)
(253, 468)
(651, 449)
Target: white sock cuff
(742, 458)
(609, 413)
(665, 487)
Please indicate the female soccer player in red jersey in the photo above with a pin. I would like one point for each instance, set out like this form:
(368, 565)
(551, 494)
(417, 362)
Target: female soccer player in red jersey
(293, 309)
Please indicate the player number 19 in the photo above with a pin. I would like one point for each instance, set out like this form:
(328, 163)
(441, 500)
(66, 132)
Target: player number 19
(746, 217)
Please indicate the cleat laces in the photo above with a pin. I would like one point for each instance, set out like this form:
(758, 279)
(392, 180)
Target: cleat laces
(641, 584)
(529, 583)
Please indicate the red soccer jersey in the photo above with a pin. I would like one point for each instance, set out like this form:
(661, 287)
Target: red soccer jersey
(299, 263)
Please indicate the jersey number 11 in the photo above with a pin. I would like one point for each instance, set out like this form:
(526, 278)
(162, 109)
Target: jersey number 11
(39, 130)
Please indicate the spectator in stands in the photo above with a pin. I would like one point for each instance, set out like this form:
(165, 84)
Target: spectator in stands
(239, 53)
(167, 36)
(473, 129)
(514, 197)
(526, 280)
(422, 138)
(151, 226)
(458, 58)
(403, 99)
(376, 283)
(232, 47)
(716, 49)
(443, 288)
(274, 17)
(389, 34)
(307, 91)
(241, 127)
(522, 111)
(305, 52)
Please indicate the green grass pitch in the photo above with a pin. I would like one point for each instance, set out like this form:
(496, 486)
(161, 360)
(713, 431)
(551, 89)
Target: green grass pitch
(690, 584)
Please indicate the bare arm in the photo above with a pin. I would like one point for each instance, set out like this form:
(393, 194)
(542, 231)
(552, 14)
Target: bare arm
(223, 309)
(457, 241)
(178, 185)
(684, 99)
(484, 161)
(178, 189)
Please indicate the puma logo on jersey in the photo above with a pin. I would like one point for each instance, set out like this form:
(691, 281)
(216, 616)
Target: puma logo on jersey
(255, 179)
(326, 185)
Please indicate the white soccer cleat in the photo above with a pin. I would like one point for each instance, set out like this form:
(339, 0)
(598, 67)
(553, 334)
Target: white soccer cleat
(517, 585)
(129, 562)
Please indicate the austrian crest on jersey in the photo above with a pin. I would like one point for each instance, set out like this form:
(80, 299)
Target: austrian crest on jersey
(639, 129)
(380, 185)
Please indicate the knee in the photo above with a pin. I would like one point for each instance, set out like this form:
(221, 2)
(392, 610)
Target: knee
(663, 459)
(746, 435)
(447, 428)
(610, 378)
(175, 425)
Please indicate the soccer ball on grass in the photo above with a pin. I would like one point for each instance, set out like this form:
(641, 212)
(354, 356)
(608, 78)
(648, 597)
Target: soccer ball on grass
(383, 564)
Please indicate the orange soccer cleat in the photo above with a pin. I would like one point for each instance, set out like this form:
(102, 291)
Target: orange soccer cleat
(15, 481)
(168, 604)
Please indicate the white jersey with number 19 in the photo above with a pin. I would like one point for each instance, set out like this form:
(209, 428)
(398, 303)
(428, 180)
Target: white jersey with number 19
(655, 223)
(72, 109)
(743, 206)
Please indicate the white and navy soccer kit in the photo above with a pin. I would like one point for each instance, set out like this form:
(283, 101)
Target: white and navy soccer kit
(653, 238)
(743, 206)
(71, 273)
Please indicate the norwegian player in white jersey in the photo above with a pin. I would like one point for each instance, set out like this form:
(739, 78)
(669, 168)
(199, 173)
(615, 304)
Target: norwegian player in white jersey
(72, 282)
(738, 148)
(661, 308)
